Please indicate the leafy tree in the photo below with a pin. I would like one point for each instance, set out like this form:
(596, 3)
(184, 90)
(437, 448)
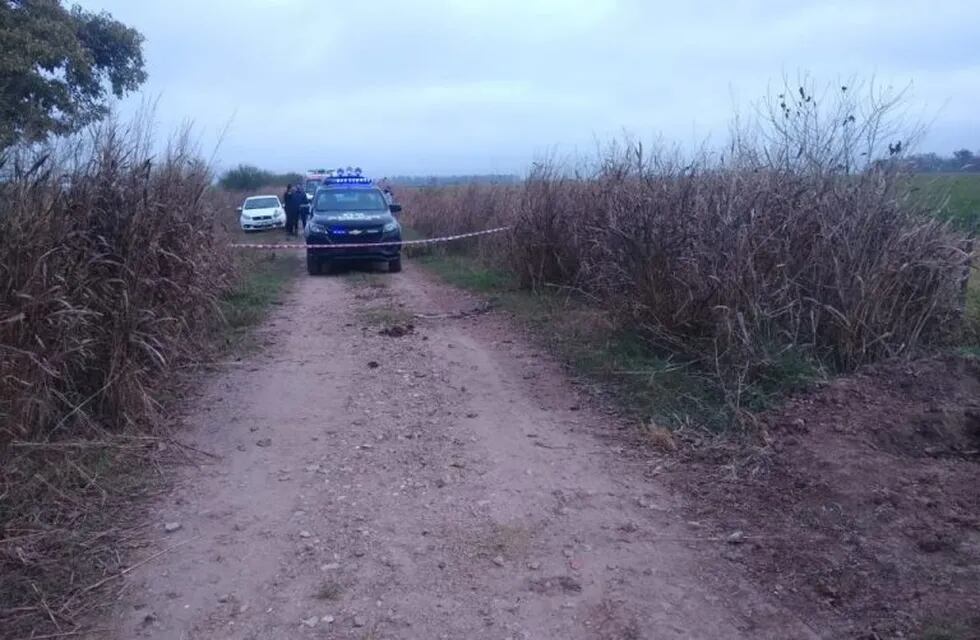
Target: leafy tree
(962, 161)
(964, 158)
(246, 177)
(289, 178)
(58, 65)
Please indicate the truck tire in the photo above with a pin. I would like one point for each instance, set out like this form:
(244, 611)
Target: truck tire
(312, 264)
(395, 266)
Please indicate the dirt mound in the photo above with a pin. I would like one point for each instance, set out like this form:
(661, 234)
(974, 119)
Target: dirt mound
(397, 331)
(862, 505)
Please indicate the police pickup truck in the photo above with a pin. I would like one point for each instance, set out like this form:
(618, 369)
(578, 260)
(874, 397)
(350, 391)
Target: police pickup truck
(350, 220)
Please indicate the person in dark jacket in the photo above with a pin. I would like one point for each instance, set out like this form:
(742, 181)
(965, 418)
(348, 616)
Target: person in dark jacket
(304, 209)
(291, 202)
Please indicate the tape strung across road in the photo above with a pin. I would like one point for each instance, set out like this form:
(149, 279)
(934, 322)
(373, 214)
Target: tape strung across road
(365, 245)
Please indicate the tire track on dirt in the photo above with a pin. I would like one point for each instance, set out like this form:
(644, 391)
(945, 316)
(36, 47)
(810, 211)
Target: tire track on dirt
(420, 486)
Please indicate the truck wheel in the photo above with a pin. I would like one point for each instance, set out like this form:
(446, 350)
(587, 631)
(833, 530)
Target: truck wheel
(395, 266)
(312, 264)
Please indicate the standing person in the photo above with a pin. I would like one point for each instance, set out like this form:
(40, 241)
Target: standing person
(292, 210)
(389, 196)
(304, 209)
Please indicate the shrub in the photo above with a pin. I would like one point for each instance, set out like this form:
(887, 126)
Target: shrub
(799, 243)
(106, 279)
(246, 177)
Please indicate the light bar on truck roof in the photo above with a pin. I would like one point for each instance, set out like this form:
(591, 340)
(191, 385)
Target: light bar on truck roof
(346, 180)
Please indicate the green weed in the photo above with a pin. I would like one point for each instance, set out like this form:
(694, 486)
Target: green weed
(263, 282)
(467, 273)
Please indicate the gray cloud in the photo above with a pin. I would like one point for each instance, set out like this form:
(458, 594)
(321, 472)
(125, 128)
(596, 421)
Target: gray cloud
(437, 86)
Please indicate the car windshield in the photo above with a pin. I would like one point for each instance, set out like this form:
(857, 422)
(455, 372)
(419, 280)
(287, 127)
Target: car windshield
(350, 200)
(270, 202)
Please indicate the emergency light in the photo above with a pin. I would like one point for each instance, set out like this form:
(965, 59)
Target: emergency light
(346, 180)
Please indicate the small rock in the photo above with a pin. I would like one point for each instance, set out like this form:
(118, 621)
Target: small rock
(243, 608)
(223, 598)
(534, 566)
(310, 622)
(241, 447)
(264, 442)
(253, 429)
(327, 619)
(736, 537)
(359, 621)
(170, 527)
(305, 534)
(568, 553)
(373, 365)
(499, 561)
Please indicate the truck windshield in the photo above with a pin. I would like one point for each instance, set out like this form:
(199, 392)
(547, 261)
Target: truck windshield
(350, 200)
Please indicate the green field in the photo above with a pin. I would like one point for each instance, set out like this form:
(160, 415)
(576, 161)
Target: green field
(956, 197)
(951, 196)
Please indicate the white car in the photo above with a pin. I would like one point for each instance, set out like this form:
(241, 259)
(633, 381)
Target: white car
(262, 212)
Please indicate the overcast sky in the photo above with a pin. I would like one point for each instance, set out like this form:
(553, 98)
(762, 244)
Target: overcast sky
(475, 86)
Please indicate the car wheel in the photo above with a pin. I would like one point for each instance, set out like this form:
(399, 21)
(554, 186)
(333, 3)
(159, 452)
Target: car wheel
(312, 264)
(395, 266)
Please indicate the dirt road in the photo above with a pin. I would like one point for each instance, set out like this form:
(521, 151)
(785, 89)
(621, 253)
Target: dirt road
(448, 483)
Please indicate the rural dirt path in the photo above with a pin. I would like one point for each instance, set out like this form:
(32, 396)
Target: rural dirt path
(448, 483)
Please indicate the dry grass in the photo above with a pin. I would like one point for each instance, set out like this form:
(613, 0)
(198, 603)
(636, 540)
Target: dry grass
(796, 248)
(110, 272)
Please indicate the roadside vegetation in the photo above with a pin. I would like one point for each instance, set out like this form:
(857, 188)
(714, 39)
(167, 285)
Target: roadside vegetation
(247, 177)
(794, 254)
(804, 296)
(115, 281)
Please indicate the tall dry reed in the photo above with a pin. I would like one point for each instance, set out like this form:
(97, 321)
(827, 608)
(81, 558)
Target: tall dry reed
(795, 242)
(110, 268)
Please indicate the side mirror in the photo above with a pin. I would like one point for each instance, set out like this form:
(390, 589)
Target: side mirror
(238, 209)
(395, 208)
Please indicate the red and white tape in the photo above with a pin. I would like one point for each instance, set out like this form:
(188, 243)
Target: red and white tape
(365, 245)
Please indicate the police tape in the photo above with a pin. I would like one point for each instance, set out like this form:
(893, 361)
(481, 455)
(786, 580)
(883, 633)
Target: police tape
(366, 245)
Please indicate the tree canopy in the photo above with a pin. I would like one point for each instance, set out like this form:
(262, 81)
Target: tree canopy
(59, 66)
(246, 177)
